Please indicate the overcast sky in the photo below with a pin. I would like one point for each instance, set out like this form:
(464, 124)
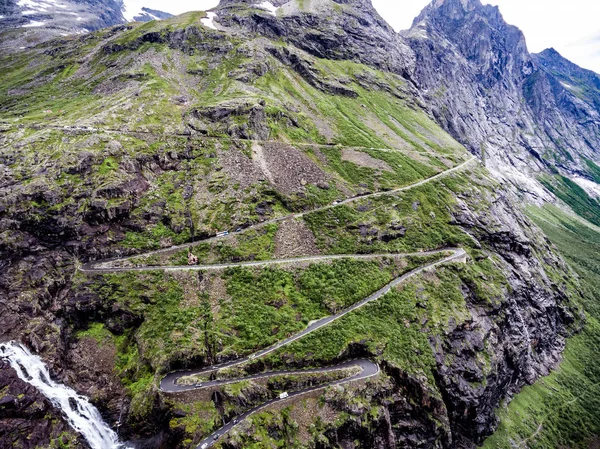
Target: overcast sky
(572, 27)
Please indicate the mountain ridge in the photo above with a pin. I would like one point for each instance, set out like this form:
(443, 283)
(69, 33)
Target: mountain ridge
(287, 133)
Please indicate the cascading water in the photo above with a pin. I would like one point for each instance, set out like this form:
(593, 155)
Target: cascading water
(80, 413)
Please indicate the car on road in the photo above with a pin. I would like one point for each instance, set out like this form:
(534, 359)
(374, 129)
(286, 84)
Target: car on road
(336, 202)
(204, 446)
(216, 437)
(235, 421)
(284, 395)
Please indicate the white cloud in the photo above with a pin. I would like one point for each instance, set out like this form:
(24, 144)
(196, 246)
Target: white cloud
(570, 27)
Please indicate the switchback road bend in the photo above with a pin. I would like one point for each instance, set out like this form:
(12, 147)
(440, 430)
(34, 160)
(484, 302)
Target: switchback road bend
(364, 368)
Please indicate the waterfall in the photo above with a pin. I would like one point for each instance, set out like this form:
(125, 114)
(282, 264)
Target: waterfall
(79, 412)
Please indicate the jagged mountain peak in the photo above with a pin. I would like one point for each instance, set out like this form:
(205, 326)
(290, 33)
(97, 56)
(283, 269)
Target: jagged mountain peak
(551, 52)
(453, 10)
(446, 13)
(464, 5)
(551, 56)
(583, 84)
(505, 103)
(479, 33)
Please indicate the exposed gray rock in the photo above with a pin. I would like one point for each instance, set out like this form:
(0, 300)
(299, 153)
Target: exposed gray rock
(149, 14)
(50, 20)
(341, 29)
(507, 106)
(225, 119)
(525, 332)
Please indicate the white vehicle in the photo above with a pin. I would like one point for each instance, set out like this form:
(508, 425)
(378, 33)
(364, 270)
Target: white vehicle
(336, 202)
(251, 356)
(204, 446)
(283, 395)
(222, 233)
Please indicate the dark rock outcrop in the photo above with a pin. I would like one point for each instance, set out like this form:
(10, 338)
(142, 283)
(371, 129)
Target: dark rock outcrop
(305, 69)
(524, 333)
(237, 118)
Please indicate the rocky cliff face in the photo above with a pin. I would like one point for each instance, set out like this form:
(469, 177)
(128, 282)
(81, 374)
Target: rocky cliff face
(161, 168)
(513, 109)
(351, 30)
(581, 82)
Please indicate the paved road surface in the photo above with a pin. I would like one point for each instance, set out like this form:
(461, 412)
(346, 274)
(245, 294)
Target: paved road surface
(107, 265)
(367, 368)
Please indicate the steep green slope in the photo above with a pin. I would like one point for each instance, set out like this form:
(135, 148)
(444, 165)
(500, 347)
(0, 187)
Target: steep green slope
(574, 196)
(563, 409)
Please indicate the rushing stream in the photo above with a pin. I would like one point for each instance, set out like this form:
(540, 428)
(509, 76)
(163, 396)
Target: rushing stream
(78, 410)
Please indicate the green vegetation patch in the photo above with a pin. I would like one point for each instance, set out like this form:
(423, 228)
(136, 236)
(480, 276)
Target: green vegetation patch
(182, 318)
(398, 326)
(134, 373)
(405, 170)
(270, 304)
(417, 219)
(594, 170)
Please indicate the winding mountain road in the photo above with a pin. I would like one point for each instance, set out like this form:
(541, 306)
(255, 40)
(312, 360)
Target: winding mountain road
(367, 368)
(107, 265)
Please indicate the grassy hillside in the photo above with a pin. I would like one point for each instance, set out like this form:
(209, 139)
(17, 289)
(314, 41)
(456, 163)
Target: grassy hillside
(123, 122)
(208, 316)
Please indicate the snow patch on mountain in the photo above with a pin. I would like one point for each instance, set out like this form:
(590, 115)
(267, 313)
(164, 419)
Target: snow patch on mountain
(27, 3)
(35, 23)
(269, 7)
(38, 6)
(137, 10)
(590, 187)
(209, 20)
